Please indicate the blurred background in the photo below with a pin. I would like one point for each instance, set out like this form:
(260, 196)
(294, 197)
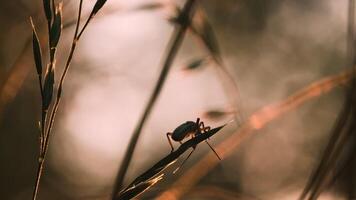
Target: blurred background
(272, 48)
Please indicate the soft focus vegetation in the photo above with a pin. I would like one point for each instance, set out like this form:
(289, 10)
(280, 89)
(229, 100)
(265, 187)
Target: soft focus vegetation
(275, 74)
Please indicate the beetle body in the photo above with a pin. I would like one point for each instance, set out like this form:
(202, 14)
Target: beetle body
(184, 130)
(188, 129)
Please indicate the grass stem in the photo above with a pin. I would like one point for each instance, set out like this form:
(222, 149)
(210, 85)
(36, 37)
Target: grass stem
(46, 140)
(173, 47)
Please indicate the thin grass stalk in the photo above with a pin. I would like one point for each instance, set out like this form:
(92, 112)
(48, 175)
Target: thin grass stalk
(325, 175)
(173, 47)
(331, 151)
(55, 108)
(66, 68)
(49, 15)
(16, 76)
(333, 148)
(14, 79)
(315, 177)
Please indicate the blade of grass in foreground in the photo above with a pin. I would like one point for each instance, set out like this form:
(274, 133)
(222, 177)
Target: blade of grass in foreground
(154, 174)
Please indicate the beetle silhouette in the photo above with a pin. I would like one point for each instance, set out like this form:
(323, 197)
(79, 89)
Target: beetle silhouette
(189, 129)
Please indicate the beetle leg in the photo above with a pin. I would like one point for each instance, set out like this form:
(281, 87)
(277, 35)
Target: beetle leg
(207, 129)
(184, 161)
(200, 127)
(170, 141)
(213, 150)
(204, 129)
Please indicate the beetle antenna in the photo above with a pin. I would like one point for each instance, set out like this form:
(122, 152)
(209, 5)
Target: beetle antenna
(175, 171)
(213, 150)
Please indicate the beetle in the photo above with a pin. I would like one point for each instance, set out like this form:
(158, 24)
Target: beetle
(189, 129)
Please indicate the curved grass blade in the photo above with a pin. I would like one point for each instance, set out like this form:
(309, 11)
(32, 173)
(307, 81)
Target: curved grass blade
(140, 183)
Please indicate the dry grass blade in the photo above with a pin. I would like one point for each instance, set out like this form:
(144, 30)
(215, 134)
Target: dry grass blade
(54, 36)
(48, 89)
(156, 169)
(98, 5)
(54, 31)
(17, 74)
(56, 28)
(19, 71)
(37, 53)
(38, 62)
(47, 9)
(173, 47)
(255, 122)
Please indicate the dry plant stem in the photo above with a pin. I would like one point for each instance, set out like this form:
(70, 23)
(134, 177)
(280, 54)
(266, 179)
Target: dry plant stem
(175, 43)
(60, 84)
(338, 137)
(14, 79)
(85, 25)
(331, 150)
(56, 105)
(16, 76)
(255, 122)
(66, 68)
(331, 161)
